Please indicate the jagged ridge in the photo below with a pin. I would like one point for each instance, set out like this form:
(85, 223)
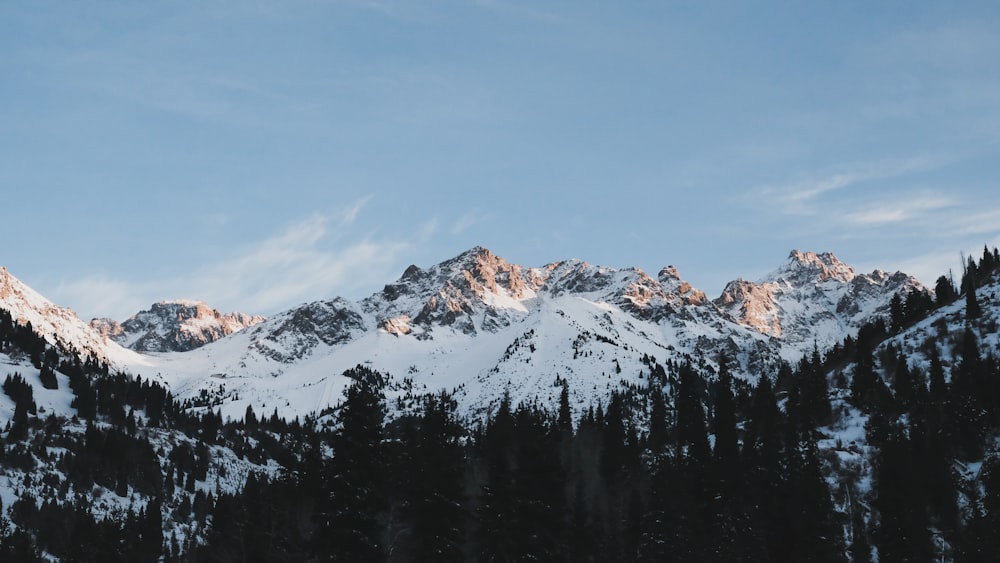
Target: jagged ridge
(174, 326)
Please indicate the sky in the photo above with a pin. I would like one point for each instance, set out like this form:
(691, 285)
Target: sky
(261, 154)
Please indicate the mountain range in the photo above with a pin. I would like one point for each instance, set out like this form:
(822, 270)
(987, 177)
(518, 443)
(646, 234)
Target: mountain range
(479, 326)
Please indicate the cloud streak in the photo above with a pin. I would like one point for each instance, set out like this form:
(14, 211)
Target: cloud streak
(896, 211)
(351, 213)
(800, 198)
(292, 266)
(465, 222)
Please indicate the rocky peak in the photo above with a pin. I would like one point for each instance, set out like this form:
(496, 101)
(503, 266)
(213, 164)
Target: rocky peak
(671, 280)
(174, 326)
(813, 267)
(811, 298)
(491, 273)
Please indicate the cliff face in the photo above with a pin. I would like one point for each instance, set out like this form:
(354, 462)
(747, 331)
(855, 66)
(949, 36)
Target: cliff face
(174, 326)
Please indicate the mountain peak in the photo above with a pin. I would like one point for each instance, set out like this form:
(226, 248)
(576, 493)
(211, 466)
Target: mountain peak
(174, 326)
(816, 267)
(60, 326)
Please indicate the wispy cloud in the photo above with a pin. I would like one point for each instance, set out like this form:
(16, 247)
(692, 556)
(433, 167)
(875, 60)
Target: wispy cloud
(351, 213)
(427, 230)
(983, 221)
(800, 198)
(466, 221)
(896, 211)
(295, 265)
(100, 296)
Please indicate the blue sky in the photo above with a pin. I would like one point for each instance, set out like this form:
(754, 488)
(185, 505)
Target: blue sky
(261, 154)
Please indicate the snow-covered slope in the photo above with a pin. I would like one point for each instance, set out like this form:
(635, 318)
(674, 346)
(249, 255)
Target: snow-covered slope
(60, 326)
(480, 326)
(813, 298)
(174, 326)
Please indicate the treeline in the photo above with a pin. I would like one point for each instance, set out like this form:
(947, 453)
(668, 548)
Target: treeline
(530, 485)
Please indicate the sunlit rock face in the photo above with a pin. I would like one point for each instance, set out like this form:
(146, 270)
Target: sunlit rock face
(174, 326)
(813, 299)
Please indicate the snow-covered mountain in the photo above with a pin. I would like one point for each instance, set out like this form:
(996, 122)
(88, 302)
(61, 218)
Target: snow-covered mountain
(174, 326)
(60, 326)
(813, 298)
(481, 326)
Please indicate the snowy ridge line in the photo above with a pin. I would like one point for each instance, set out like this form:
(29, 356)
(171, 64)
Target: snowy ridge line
(452, 326)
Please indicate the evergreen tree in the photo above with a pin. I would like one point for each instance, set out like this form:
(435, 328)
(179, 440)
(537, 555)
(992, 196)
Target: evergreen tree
(945, 291)
(897, 315)
(437, 510)
(48, 377)
(498, 508)
(937, 388)
(565, 420)
(903, 526)
(692, 436)
(348, 526)
(733, 527)
(816, 534)
(969, 285)
(964, 423)
(658, 435)
(691, 492)
(726, 451)
(903, 384)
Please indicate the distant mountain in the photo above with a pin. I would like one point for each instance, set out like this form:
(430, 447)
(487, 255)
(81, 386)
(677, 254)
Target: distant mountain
(482, 326)
(174, 326)
(813, 298)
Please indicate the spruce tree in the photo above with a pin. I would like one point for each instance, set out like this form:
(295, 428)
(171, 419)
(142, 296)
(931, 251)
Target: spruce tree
(437, 510)
(902, 533)
(944, 291)
(969, 285)
(348, 526)
(497, 508)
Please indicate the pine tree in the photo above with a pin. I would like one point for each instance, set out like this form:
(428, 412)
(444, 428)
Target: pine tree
(969, 285)
(903, 384)
(437, 510)
(348, 526)
(945, 291)
(897, 314)
(565, 420)
(903, 532)
(964, 422)
(726, 450)
(692, 436)
(733, 527)
(48, 377)
(691, 488)
(818, 537)
(498, 508)
(937, 389)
